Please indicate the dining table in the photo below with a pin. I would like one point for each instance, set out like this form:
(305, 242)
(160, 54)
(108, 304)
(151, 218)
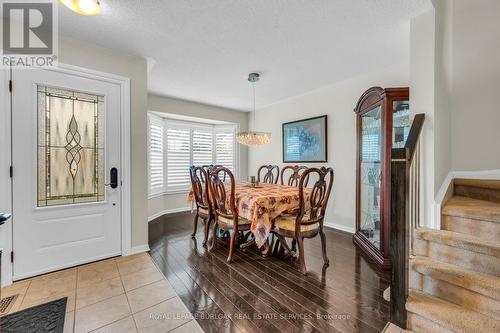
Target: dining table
(262, 203)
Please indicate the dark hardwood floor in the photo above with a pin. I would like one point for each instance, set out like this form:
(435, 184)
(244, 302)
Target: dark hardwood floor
(256, 294)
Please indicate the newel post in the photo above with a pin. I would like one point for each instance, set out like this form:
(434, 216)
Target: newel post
(399, 236)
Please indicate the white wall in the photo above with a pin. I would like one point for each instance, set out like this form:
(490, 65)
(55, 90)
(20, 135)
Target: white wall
(338, 102)
(77, 53)
(167, 203)
(422, 68)
(455, 80)
(475, 137)
(430, 80)
(467, 85)
(442, 91)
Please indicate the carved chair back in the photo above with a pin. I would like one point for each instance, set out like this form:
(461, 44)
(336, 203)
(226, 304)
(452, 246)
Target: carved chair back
(318, 198)
(223, 206)
(271, 174)
(208, 167)
(199, 183)
(294, 178)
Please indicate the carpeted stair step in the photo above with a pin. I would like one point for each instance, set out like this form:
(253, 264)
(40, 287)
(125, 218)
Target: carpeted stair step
(482, 189)
(471, 290)
(484, 284)
(459, 249)
(472, 208)
(430, 314)
(419, 324)
(474, 217)
(482, 229)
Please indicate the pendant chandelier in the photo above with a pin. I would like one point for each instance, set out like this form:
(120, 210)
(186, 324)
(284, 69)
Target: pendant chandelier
(253, 138)
(83, 7)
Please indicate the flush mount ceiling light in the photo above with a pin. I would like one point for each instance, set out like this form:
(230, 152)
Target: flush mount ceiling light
(253, 138)
(83, 7)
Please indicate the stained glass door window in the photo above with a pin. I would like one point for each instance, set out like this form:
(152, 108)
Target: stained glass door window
(70, 147)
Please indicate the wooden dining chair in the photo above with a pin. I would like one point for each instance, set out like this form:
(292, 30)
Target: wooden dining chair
(226, 211)
(294, 178)
(269, 174)
(308, 222)
(211, 166)
(199, 183)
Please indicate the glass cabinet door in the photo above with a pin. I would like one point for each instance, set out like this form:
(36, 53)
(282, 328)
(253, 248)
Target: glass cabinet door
(370, 175)
(400, 123)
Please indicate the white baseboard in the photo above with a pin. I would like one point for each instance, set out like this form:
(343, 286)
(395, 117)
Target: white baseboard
(340, 227)
(485, 174)
(139, 249)
(188, 209)
(169, 211)
(438, 202)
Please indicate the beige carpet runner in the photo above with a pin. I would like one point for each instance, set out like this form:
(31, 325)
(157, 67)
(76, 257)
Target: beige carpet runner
(455, 277)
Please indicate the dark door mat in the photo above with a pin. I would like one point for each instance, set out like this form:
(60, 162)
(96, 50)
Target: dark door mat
(48, 317)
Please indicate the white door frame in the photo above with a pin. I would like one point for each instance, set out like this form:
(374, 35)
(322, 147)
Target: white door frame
(6, 232)
(5, 180)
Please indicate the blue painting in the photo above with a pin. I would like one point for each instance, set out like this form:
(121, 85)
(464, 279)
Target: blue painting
(305, 140)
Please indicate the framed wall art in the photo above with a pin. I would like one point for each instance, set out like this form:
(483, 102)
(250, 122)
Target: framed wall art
(305, 141)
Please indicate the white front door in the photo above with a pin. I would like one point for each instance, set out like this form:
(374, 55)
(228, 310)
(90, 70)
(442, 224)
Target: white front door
(65, 142)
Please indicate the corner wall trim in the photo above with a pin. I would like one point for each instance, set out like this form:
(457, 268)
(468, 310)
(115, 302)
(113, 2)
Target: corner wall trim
(340, 227)
(169, 211)
(139, 249)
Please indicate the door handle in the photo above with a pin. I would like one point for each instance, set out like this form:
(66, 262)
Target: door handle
(113, 178)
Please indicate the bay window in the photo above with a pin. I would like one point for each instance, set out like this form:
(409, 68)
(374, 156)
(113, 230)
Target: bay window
(175, 145)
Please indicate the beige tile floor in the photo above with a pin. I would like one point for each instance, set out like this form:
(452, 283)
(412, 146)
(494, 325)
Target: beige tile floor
(122, 295)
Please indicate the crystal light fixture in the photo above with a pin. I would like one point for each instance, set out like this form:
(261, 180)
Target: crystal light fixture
(83, 7)
(253, 138)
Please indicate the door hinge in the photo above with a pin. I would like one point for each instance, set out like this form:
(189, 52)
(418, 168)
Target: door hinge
(11, 171)
(10, 85)
(11, 256)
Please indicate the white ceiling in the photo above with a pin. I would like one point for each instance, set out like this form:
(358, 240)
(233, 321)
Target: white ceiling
(202, 50)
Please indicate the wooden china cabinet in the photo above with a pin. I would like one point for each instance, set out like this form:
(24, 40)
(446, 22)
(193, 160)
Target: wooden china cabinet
(382, 123)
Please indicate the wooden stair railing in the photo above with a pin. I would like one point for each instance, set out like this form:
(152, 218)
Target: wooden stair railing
(405, 216)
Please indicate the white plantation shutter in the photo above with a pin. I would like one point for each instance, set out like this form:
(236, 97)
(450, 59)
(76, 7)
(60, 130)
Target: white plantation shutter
(203, 146)
(224, 148)
(175, 145)
(156, 171)
(178, 157)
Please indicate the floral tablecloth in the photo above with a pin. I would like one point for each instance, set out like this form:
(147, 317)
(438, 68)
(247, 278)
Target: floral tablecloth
(263, 204)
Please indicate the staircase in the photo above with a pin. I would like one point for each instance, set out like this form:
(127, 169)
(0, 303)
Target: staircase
(455, 273)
